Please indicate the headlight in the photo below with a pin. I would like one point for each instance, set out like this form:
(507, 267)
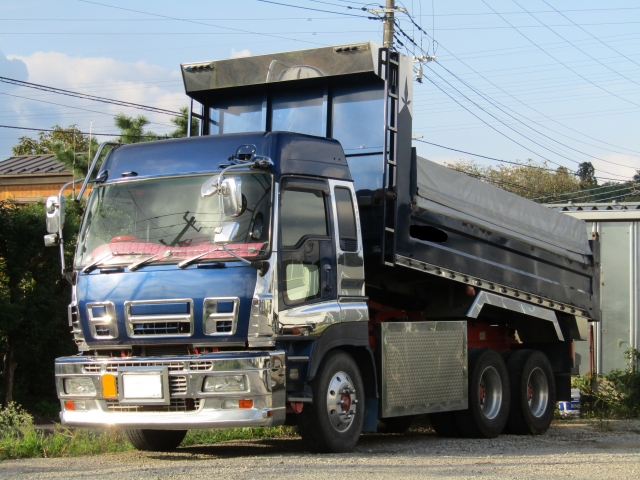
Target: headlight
(225, 383)
(79, 386)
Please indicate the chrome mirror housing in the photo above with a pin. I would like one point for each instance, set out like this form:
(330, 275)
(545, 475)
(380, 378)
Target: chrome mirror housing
(51, 240)
(225, 233)
(55, 214)
(232, 196)
(210, 186)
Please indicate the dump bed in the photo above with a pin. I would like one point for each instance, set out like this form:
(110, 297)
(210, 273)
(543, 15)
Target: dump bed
(469, 231)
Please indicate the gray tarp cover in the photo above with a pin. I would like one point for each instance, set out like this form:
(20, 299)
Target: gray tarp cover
(456, 195)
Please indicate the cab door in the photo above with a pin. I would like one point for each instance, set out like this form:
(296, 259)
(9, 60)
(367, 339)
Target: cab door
(307, 284)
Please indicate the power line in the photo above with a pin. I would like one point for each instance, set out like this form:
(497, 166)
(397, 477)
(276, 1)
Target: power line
(78, 132)
(523, 123)
(576, 47)
(500, 160)
(85, 96)
(314, 9)
(502, 90)
(591, 35)
(253, 32)
(561, 63)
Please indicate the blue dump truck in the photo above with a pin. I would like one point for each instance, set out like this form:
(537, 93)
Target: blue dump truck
(295, 262)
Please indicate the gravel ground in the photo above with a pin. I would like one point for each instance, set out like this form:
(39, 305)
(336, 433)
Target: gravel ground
(570, 449)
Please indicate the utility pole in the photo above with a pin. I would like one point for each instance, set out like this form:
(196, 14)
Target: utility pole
(389, 25)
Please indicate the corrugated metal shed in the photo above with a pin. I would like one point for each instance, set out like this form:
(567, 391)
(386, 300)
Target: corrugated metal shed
(618, 225)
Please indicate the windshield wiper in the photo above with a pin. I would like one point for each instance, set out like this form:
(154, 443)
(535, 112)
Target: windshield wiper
(104, 258)
(189, 261)
(136, 265)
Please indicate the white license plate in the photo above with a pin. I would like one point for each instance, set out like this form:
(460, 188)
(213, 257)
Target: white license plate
(147, 386)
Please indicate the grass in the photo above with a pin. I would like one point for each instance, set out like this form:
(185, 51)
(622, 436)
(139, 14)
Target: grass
(32, 443)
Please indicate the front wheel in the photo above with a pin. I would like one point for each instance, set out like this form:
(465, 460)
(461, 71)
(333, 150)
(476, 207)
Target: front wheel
(489, 396)
(333, 422)
(155, 440)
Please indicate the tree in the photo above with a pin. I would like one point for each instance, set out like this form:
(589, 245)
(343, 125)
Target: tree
(33, 299)
(587, 175)
(181, 121)
(132, 129)
(530, 179)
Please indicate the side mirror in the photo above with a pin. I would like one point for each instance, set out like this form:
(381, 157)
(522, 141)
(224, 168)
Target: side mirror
(225, 233)
(232, 196)
(55, 214)
(51, 240)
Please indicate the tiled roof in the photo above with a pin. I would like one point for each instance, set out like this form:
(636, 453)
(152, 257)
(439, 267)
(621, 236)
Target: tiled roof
(32, 165)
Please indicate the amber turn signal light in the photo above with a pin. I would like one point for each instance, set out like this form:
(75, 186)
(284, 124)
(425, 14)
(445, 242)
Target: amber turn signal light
(245, 403)
(109, 386)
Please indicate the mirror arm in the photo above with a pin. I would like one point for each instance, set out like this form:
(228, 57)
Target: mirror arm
(92, 167)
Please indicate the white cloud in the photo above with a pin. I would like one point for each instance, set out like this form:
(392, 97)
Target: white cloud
(136, 82)
(616, 170)
(240, 53)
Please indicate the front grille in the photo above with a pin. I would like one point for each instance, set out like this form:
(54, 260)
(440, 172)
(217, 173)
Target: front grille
(178, 385)
(91, 368)
(176, 405)
(201, 366)
(161, 328)
(102, 331)
(173, 366)
(165, 350)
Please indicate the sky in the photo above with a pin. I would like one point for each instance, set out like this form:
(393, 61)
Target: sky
(548, 80)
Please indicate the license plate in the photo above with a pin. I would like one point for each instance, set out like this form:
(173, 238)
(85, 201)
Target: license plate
(142, 386)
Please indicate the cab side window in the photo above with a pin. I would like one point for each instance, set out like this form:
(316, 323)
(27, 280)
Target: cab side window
(303, 233)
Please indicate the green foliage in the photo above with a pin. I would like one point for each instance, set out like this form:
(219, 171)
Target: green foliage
(33, 300)
(70, 137)
(612, 395)
(538, 182)
(132, 129)
(14, 419)
(32, 443)
(204, 437)
(181, 121)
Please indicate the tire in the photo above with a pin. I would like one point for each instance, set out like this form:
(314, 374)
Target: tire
(533, 393)
(395, 424)
(444, 424)
(155, 440)
(326, 425)
(489, 396)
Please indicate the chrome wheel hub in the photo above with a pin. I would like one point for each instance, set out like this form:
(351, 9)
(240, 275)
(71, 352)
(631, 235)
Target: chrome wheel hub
(341, 401)
(490, 392)
(537, 392)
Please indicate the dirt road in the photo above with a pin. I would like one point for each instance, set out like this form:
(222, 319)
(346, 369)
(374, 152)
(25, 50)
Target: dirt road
(571, 449)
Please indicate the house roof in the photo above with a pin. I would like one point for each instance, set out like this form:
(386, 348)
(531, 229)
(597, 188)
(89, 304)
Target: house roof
(23, 165)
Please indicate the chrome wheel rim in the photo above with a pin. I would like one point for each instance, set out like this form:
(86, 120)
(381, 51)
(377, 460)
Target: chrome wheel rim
(490, 393)
(341, 402)
(537, 392)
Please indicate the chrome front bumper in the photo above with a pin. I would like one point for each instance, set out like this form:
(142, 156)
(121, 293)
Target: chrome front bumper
(188, 406)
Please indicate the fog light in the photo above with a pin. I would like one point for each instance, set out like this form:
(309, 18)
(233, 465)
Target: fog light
(79, 386)
(225, 383)
(230, 404)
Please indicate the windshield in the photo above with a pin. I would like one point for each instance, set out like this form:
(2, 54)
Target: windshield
(168, 219)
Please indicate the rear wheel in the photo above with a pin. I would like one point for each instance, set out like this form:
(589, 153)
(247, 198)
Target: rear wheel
(444, 424)
(533, 392)
(155, 440)
(333, 422)
(489, 396)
